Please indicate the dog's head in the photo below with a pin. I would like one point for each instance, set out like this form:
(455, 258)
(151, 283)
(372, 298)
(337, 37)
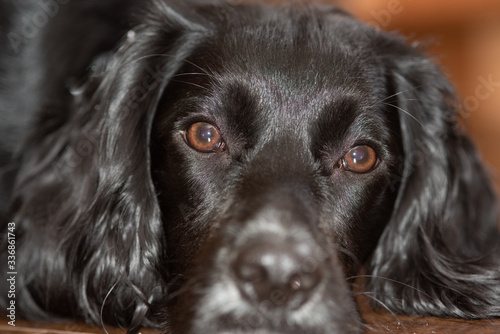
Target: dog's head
(248, 162)
(275, 148)
(284, 146)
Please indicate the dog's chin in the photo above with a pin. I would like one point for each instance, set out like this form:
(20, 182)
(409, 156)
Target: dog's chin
(220, 303)
(223, 310)
(311, 320)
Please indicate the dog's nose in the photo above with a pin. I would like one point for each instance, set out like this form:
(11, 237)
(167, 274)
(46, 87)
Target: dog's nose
(277, 274)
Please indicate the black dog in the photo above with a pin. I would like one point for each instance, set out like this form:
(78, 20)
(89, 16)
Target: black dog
(223, 168)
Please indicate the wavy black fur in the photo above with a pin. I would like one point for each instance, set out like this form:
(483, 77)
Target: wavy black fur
(118, 221)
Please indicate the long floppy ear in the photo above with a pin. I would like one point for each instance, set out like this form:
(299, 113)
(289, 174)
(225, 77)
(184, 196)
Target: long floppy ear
(439, 255)
(90, 236)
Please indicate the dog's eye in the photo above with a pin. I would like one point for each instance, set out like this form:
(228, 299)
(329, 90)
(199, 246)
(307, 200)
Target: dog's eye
(204, 137)
(360, 159)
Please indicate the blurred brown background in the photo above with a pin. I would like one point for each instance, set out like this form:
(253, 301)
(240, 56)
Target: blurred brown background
(464, 37)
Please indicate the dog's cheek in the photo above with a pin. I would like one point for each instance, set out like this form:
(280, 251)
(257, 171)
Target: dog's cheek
(192, 191)
(175, 208)
(357, 211)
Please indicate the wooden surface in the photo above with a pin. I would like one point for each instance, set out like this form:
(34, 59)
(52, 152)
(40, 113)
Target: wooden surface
(25, 327)
(387, 323)
(376, 323)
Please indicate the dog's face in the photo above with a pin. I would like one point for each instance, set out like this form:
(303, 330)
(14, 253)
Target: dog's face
(277, 160)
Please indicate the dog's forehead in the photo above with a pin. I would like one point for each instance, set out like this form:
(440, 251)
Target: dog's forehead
(296, 73)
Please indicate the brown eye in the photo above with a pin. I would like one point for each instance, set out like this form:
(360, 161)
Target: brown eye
(204, 137)
(360, 159)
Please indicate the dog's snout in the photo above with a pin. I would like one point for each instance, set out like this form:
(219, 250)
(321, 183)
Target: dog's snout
(285, 275)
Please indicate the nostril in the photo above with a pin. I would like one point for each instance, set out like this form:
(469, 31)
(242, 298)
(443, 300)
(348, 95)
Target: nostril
(249, 272)
(305, 280)
(275, 272)
(295, 283)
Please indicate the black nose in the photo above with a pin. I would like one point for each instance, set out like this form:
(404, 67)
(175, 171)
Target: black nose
(279, 274)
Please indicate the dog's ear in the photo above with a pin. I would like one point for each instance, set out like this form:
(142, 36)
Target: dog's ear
(89, 224)
(439, 254)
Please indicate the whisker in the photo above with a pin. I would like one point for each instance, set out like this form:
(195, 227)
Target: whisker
(391, 96)
(186, 74)
(188, 285)
(191, 83)
(390, 280)
(381, 303)
(401, 92)
(404, 111)
(204, 71)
